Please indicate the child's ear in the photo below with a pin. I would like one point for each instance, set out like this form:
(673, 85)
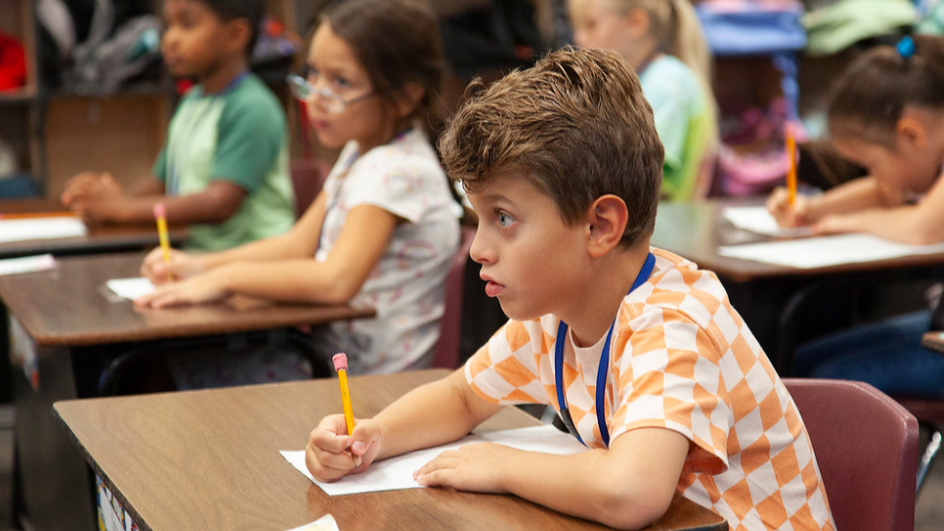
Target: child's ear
(607, 218)
(912, 131)
(240, 31)
(409, 98)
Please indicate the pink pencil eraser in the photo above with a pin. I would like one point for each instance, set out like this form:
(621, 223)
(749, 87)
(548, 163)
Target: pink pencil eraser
(340, 361)
(159, 211)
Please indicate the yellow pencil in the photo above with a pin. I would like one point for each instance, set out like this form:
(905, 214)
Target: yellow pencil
(791, 164)
(340, 365)
(160, 214)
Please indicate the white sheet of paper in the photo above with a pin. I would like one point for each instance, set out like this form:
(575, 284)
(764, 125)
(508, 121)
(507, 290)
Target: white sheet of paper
(27, 264)
(825, 251)
(325, 523)
(758, 219)
(396, 473)
(130, 288)
(14, 230)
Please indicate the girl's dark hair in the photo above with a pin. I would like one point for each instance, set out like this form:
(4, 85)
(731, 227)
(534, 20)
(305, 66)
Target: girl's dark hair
(396, 41)
(869, 98)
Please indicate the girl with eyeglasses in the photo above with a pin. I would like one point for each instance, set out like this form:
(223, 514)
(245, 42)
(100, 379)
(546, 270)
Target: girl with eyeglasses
(383, 231)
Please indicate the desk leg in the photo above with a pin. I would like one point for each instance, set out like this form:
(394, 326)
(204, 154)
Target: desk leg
(56, 485)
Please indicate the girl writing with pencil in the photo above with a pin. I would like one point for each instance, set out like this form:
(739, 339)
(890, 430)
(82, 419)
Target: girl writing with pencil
(887, 115)
(383, 231)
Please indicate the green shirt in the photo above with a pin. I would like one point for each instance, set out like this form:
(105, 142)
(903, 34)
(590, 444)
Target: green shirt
(680, 109)
(236, 135)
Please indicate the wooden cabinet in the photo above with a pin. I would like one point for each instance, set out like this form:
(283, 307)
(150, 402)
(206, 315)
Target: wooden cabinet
(57, 134)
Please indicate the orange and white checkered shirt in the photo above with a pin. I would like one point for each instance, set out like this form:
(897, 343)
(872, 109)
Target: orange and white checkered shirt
(682, 359)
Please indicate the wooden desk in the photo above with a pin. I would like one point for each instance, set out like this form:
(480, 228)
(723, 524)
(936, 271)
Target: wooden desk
(210, 460)
(70, 326)
(771, 298)
(106, 239)
(696, 230)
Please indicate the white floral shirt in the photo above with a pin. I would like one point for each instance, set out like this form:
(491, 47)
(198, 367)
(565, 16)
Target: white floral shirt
(407, 286)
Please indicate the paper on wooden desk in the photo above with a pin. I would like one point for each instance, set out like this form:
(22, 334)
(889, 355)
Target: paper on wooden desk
(130, 288)
(14, 230)
(27, 264)
(758, 219)
(396, 473)
(826, 251)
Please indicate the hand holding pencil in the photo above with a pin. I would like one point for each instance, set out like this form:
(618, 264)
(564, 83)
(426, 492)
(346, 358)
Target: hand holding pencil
(341, 445)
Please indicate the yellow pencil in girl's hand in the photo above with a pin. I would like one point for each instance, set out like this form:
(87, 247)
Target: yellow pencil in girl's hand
(791, 163)
(160, 214)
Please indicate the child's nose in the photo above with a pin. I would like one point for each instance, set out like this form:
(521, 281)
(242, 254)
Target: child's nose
(481, 252)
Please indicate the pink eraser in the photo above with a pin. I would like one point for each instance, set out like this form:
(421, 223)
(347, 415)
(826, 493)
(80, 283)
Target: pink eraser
(340, 361)
(159, 211)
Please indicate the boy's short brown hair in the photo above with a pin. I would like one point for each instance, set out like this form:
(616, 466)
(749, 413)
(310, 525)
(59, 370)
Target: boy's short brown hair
(576, 124)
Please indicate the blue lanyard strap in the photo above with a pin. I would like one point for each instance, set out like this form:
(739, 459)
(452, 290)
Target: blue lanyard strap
(602, 370)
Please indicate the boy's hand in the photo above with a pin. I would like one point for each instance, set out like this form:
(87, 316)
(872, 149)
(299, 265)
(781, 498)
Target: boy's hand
(331, 454)
(181, 266)
(796, 215)
(89, 187)
(477, 467)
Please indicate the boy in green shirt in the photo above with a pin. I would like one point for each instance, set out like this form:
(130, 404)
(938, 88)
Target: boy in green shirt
(224, 167)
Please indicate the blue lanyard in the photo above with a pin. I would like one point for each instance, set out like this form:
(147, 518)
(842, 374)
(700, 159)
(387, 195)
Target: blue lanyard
(602, 371)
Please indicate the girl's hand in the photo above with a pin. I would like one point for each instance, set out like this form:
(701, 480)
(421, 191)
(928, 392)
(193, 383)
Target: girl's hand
(199, 289)
(476, 467)
(787, 215)
(331, 454)
(181, 265)
(835, 225)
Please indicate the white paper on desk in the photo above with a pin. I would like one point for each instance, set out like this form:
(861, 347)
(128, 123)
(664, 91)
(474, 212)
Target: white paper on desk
(14, 230)
(27, 264)
(758, 219)
(325, 523)
(396, 473)
(825, 251)
(130, 288)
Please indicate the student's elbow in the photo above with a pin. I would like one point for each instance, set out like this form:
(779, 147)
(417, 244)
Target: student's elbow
(336, 289)
(923, 234)
(629, 506)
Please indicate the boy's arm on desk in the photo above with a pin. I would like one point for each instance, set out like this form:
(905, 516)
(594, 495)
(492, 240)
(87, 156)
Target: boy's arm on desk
(628, 486)
(217, 203)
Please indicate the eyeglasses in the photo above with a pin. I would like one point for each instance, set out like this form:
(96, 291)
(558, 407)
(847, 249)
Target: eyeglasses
(330, 100)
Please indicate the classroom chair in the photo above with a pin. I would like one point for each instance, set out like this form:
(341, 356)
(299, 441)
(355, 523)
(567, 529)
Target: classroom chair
(308, 176)
(446, 354)
(929, 412)
(866, 445)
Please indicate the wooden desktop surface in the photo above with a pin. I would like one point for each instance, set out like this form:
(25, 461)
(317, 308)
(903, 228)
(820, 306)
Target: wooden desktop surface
(71, 306)
(107, 238)
(210, 460)
(696, 230)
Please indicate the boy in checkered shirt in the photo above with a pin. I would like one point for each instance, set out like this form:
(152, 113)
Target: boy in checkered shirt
(638, 349)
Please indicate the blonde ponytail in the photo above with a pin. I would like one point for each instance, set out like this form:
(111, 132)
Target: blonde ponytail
(687, 42)
(675, 25)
